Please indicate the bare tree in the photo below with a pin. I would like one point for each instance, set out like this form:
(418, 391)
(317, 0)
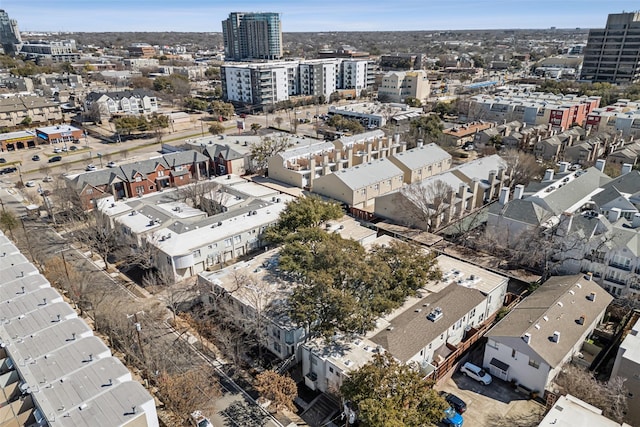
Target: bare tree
(98, 235)
(523, 165)
(267, 148)
(196, 193)
(610, 396)
(425, 204)
(186, 392)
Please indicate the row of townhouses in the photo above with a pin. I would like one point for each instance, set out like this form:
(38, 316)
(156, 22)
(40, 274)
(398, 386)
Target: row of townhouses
(594, 219)
(53, 369)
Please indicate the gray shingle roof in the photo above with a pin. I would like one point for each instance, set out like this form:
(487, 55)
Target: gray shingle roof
(419, 157)
(368, 173)
(522, 210)
(562, 302)
(412, 331)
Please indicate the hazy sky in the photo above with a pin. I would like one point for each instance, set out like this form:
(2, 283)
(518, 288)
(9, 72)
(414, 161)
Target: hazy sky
(303, 15)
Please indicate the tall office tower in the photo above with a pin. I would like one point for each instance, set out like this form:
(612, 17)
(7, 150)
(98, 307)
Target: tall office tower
(252, 36)
(9, 34)
(611, 54)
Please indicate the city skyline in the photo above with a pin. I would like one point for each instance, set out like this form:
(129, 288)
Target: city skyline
(329, 15)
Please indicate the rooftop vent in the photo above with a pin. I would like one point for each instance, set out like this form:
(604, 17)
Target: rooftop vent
(556, 336)
(591, 296)
(527, 338)
(435, 315)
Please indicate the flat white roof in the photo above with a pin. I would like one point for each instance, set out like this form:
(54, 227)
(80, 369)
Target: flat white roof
(178, 244)
(569, 411)
(70, 373)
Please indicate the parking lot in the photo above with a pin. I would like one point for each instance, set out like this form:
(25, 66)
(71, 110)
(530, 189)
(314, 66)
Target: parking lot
(495, 405)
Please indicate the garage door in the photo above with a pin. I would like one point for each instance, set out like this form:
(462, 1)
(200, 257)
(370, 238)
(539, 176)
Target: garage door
(498, 369)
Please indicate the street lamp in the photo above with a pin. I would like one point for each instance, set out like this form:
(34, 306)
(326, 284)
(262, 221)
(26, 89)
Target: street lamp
(100, 157)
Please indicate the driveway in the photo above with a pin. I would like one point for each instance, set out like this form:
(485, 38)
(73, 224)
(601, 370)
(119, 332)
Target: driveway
(495, 405)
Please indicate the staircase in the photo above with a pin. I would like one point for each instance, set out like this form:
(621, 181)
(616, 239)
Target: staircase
(321, 410)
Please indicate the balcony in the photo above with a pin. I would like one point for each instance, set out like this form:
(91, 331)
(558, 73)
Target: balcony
(620, 266)
(617, 281)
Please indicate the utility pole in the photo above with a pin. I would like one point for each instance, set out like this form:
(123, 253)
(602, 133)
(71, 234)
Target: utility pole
(138, 327)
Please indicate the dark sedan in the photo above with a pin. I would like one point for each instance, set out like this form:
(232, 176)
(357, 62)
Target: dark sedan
(453, 400)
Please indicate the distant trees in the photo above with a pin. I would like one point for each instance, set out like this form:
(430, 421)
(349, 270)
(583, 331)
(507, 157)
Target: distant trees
(343, 123)
(222, 109)
(385, 392)
(216, 128)
(428, 128)
(196, 104)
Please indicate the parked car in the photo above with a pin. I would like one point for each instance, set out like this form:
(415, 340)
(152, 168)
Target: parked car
(57, 150)
(90, 168)
(29, 184)
(452, 418)
(199, 420)
(455, 402)
(112, 164)
(55, 159)
(476, 372)
(36, 158)
(3, 160)
(47, 179)
(73, 148)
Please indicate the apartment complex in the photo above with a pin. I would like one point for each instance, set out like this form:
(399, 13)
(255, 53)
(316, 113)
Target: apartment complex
(15, 109)
(533, 108)
(53, 370)
(397, 86)
(141, 50)
(9, 34)
(252, 36)
(104, 105)
(56, 51)
(611, 54)
(622, 117)
(262, 84)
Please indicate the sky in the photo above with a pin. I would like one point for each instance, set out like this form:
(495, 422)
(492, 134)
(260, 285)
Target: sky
(312, 16)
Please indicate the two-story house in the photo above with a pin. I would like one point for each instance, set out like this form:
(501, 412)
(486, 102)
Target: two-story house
(544, 331)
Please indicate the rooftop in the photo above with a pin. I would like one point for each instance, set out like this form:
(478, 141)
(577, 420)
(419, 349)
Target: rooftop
(67, 373)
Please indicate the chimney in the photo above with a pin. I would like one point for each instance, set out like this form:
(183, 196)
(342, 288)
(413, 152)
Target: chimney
(581, 320)
(518, 192)
(589, 276)
(396, 138)
(527, 338)
(636, 220)
(600, 164)
(556, 336)
(626, 168)
(504, 196)
(564, 167)
(420, 143)
(592, 296)
(548, 175)
(614, 214)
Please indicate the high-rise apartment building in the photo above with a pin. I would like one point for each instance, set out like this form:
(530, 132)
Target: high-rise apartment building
(252, 36)
(9, 34)
(611, 54)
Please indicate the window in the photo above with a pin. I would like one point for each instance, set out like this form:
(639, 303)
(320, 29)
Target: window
(276, 333)
(513, 354)
(138, 178)
(227, 243)
(472, 314)
(140, 190)
(169, 260)
(534, 363)
(160, 173)
(276, 347)
(331, 369)
(196, 253)
(89, 190)
(237, 239)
